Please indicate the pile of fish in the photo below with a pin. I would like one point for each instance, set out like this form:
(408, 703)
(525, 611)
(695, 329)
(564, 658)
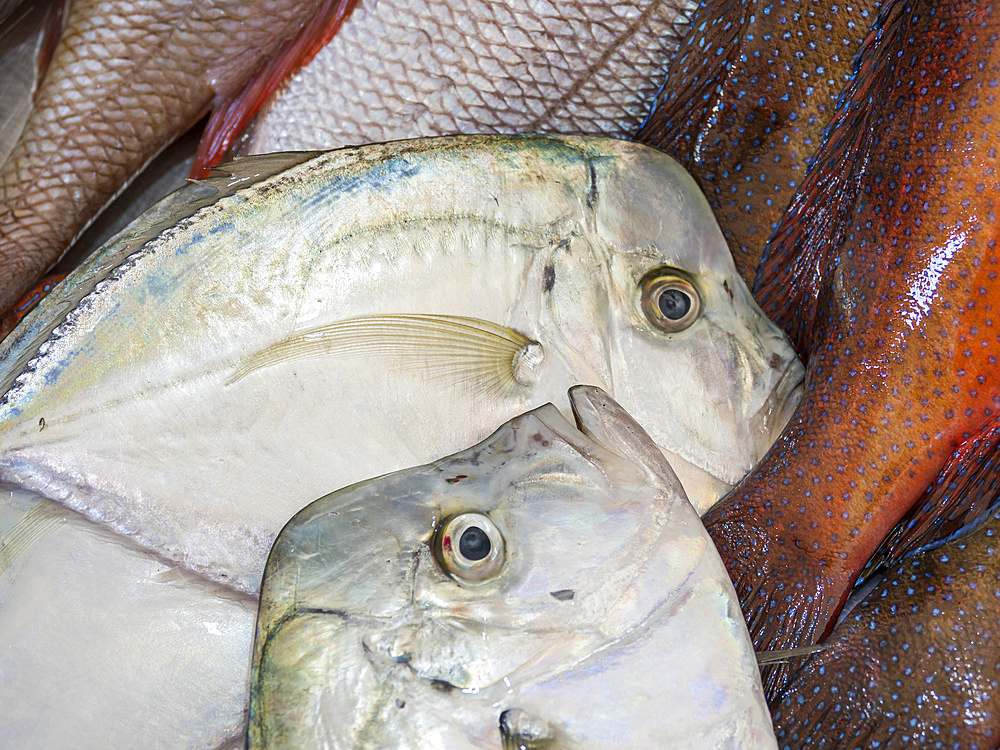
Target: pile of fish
(883, 270)
(224, 362)
(396, 69)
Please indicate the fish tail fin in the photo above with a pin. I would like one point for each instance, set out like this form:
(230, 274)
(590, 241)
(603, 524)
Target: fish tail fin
(967, 488)
(789, 598)
(232, 115)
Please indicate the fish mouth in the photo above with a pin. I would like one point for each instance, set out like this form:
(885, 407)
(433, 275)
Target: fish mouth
(779, 406)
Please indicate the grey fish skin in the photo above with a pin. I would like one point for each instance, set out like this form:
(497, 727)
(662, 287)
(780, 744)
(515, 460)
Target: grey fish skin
(119, 398)
(409, 68)
(607, 591)
(915, 664)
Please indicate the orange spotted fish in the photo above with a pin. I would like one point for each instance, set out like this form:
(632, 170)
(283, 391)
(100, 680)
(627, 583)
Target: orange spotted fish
(28, 302)
(916, 663)
(125, 79)
(885, 271)
(745, 101)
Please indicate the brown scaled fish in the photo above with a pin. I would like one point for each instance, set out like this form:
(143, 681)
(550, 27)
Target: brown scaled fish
(885, 273)
(126, 78)
(916, 664)
(745, 101)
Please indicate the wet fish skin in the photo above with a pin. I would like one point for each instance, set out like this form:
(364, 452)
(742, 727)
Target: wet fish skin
(108, 647)
(140, 362)
(884, 274)
(745, 101)
(915, 664)
(125, 79)
(409, 68)
(367, 639)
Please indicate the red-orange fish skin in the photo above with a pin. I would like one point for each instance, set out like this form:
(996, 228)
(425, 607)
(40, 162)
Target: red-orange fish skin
(915, 664)
(126, 77)
(885, 273)
(745, 101)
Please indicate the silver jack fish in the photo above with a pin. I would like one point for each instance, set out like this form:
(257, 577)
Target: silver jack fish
(299, 322)
(105, 646)
(550, 587)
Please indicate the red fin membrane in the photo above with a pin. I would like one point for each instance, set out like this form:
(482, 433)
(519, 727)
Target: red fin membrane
(230, 117)
(673, 122)
(967, 488)
(788, 596)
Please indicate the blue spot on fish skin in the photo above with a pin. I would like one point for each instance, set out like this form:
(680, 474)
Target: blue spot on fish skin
(377, 178)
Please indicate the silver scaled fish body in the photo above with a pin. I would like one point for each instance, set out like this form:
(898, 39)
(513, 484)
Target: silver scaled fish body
(550, 587)
(299, 322)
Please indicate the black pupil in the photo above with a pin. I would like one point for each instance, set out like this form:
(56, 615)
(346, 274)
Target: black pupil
(474, 544)
(674, 304)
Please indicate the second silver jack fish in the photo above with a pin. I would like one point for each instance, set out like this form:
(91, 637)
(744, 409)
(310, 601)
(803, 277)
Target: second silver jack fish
(298, 322)
(549, 588)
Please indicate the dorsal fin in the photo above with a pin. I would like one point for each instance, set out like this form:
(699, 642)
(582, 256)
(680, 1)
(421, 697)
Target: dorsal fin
(966, 489)
(231, 116)
(799, 257)
(17, 350)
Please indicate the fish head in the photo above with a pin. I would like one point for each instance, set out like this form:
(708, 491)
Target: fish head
(648, 304)
(524, 582)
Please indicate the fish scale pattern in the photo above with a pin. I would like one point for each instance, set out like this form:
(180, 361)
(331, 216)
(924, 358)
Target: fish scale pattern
(407, 68)
(916, 664)
(885, 273)
(126, 77)
(745, 102)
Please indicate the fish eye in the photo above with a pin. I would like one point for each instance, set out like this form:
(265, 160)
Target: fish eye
(669, 300)
(470, 547)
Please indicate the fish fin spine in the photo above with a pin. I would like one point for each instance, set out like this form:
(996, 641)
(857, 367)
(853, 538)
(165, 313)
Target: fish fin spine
(233, 114)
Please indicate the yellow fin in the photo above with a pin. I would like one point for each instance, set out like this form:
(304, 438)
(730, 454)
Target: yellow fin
(41, 519)
(464, 350)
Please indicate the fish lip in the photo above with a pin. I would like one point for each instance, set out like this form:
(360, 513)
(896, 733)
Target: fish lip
(781, 403)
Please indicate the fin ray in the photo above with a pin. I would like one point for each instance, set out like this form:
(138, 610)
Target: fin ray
(39, 521)
(231, 116)
(444, 346)
(967, 488)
